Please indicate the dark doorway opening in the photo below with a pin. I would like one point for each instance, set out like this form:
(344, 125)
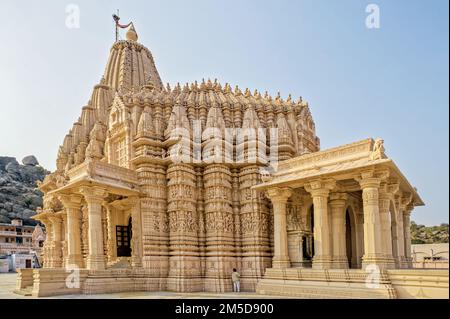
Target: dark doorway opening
(349, 238)
(123, 238)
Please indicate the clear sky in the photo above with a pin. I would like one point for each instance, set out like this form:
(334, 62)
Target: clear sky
(390, 82)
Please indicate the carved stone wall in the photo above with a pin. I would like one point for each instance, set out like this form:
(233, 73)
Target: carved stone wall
(155, 223)
(219, 225)
(184, 272)
(255, 219)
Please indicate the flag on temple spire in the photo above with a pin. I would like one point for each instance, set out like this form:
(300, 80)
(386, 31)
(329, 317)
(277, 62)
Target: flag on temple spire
(118, 25)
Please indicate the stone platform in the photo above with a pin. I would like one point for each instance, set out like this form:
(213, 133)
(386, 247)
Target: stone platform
(355, 284)
(277, 283)
(8, 285)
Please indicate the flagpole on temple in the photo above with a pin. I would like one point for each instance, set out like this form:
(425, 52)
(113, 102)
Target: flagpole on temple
(118, 25)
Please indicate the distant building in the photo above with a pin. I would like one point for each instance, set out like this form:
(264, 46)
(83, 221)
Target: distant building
(20, 246)
(430, 256)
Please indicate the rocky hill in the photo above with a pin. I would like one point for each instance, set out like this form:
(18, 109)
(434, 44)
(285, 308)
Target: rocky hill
(19, 196)
(421, 234)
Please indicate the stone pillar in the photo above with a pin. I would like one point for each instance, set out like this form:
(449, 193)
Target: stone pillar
(359, 237)
(184, 272)
(385, 225)
(219, 225)
(201, 219)
(400, 241)
(72, 203)
(407, 231)
(56, 229)
(94, 197)
(237, 218)
(373, 248)
(279, 198)
(111, 229)
(255, 219)
(64, 239)
(48, 244)
(319, 191)
(154, 218)
(136, 240)
(338, 203)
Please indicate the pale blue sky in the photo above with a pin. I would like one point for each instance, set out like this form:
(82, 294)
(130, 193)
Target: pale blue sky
(390, 83)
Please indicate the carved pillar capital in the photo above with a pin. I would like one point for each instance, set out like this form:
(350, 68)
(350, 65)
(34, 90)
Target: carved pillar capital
(408, 209)
(279, 194)
(320, 187)
(372, 178)
(55, 219)
(93, 194)
(369, 182)
(338, 200)
(71, 201)
(393, 188)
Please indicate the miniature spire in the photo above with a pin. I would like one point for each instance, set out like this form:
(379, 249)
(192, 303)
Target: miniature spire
(145, 125)
(215, 118)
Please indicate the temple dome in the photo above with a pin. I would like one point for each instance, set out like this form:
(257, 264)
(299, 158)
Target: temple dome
(131, 65)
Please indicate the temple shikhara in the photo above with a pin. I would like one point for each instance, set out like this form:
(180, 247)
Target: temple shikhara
(169, 189)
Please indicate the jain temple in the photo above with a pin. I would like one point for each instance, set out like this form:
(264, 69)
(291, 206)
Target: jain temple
(169, 189)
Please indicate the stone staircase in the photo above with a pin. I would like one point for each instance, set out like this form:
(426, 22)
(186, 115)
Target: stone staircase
(120, 263)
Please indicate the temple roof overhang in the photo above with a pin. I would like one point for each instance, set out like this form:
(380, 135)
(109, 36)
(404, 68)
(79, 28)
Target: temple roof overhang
(115, 179)
(341, 164)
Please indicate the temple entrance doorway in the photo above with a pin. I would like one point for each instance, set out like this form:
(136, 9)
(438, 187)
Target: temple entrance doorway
(308, 239)
(123, 238)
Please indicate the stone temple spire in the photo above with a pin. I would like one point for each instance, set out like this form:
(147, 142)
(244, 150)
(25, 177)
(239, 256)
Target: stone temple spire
(131, 65)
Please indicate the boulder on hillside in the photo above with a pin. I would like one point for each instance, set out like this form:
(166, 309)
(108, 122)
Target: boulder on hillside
(12, 167)
(19, 197)
(4, 160)
(30, 161)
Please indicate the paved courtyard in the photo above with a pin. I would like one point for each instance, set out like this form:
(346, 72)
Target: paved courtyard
(8, 284)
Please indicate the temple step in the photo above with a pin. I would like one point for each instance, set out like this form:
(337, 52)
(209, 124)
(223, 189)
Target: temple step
(27, 291)
(120, 263)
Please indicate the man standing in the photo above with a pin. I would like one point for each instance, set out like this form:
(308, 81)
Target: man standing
(236, 278)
